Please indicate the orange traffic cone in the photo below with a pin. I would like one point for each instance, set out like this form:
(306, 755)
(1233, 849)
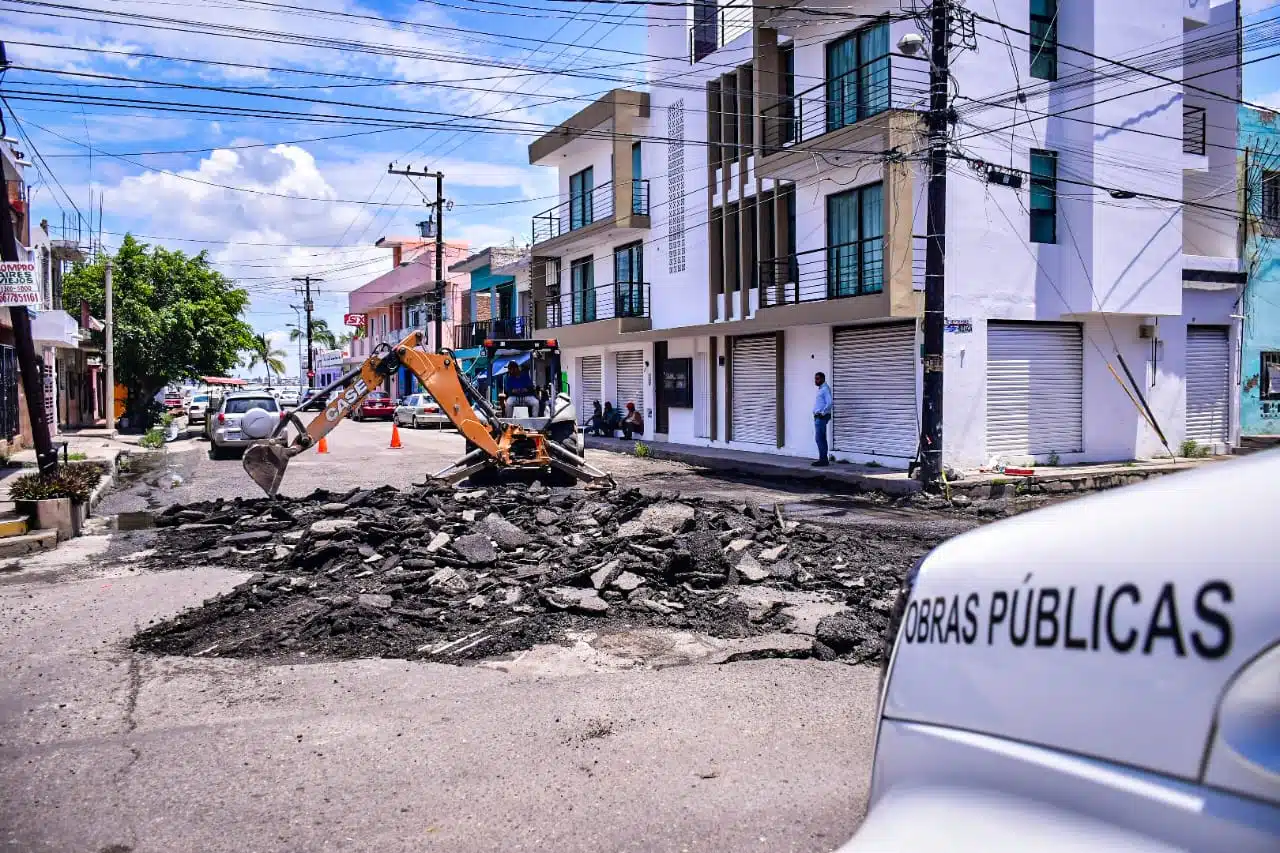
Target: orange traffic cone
(324, 445)
(395, 436)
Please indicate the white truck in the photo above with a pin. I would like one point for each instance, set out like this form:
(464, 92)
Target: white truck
(1102, 675)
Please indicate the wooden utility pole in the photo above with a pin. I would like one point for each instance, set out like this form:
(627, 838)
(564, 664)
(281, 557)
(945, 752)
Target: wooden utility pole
(110, 354)
(439, 229)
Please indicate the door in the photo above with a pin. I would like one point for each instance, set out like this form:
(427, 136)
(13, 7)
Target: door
(1208, 386)
(630, 380)
(1035, 389)
(628, 277)
(661, 412)
(580, 186)
(873, 383)
(754, 374)
(582, 282)
(590, 384)
(639, 204)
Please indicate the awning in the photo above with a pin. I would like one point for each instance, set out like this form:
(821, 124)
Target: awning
(500, 363)
(55, 328)
(222, 380)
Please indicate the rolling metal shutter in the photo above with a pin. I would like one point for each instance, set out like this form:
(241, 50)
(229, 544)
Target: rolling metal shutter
(1208, 385)
(590, 372)
(1035, 388)
(755, 389)
(630, 379)
(874, 387)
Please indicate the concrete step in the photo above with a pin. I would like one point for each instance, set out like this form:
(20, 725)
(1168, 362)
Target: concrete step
(28, 543)
(12, 524)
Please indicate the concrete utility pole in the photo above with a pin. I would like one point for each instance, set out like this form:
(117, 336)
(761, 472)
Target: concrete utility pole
(935, 249)
(439, 214)
(32, 386)
(308, 305)
(110, 354)
(297, 313)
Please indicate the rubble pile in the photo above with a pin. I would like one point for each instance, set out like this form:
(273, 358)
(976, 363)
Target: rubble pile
(455, 574)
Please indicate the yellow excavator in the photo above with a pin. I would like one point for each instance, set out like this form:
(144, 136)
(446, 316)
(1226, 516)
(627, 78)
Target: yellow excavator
(526, 444)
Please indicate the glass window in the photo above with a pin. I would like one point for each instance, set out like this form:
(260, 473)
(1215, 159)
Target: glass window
(582, 280)
(857, 76)
(855, 242)
(639, 191)
(1044, 39)
(240, 405)
(1271, 198)
(580, 186)
(628, 277)
(1044, 197)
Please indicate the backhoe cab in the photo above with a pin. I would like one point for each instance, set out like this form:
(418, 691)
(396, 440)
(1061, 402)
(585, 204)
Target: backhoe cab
(544, 442)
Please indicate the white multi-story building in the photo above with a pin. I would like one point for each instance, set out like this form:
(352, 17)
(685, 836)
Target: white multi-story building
(759, 216)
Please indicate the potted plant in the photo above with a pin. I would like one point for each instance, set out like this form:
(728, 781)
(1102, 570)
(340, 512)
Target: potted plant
(60, 499)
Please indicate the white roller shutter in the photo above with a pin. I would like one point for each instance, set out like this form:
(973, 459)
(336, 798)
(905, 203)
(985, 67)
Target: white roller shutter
(590, 390)
(630, 379)
(874, 386)
(1035, 389)
(1208, 386)
(755, 389)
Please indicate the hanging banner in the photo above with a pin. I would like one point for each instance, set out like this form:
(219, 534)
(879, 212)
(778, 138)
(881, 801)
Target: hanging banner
(18, 284)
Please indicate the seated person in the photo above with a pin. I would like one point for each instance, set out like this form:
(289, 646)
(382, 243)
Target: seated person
(633, 423)
(518, 386)
(596, 424)
(612, 420)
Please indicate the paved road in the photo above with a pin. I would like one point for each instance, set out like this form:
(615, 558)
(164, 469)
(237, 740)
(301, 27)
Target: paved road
(105, 750)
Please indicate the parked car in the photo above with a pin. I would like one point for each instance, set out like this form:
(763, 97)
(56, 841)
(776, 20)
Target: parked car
(172, 400)
(197, 409)
(308, 395)
(227, 437)
(288, 397)
(1065, 680)
(419, 410)
(377, 405)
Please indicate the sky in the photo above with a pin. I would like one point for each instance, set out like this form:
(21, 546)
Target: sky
(272, 196)
(264, 194)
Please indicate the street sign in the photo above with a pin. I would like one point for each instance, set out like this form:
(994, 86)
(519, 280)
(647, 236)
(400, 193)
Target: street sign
(357, 320)
(18, 284)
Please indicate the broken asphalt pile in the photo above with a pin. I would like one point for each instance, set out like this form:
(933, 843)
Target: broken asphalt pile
(455, 574)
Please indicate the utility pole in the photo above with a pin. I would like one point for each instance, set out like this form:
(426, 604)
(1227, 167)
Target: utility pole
(439, 228)
(110, 354)
(32, 386)
(297, 313)
(308, 305)
(935, 248)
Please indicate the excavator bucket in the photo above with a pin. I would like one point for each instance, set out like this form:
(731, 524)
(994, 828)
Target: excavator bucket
(265, 463)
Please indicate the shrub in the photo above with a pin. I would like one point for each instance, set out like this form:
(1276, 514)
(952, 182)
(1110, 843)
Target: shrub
(643, 450)
(76, 480)
(1191, 450)
(154, 439)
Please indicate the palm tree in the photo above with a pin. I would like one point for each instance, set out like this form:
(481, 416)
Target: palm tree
(263, 353)
(321, 334)
(345, 338)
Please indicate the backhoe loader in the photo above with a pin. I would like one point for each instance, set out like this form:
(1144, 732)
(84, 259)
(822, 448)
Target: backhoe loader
(549, 445)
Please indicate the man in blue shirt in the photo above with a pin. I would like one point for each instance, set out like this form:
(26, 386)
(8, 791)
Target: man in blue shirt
(518, 386)
(821, 417)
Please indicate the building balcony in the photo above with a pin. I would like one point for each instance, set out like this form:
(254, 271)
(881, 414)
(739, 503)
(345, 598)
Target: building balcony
(600, 211)
(843, 118)
(714, 27)
(469, 335)
(591, 316)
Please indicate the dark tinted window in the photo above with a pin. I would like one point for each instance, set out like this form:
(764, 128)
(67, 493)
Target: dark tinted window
(240, 405)
(377, 395)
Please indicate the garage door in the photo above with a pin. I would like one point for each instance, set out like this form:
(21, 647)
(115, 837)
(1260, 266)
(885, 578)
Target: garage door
(874, 385)
(630, 379)
(1208, 385)
(590, 373)
(755, 389)
(1035, 388)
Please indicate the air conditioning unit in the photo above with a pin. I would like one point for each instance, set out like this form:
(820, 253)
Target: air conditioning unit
(1147, 331)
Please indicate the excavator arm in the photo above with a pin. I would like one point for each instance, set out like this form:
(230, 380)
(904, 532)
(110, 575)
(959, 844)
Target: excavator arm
(495, 443)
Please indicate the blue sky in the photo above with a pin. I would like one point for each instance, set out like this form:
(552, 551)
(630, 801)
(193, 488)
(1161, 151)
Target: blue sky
(437, 62)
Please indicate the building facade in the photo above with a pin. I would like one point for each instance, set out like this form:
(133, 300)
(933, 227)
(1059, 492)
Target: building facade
(496, 305)
(403, 299)
(1260, 302)
(721, 239)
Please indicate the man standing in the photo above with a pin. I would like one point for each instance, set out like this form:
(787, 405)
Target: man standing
(821, 417)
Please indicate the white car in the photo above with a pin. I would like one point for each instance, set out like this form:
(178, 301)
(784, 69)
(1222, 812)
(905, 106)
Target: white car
(419, 410)
(1101, 675)
(226, 436)
(197, 409)
(288, 397)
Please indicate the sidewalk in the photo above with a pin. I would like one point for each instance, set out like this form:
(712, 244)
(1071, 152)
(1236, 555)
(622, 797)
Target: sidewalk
(843, 476)
(96, 445)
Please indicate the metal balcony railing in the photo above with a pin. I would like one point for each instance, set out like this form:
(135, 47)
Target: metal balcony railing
(607, 302)
(475, 334)
(1193, 130)
(844, 101)
(832, 272)
(714, 27)
(579, 211)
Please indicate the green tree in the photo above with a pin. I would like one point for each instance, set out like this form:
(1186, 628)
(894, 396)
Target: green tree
(261, 352)
(175, 318)
(345, 339)
(321, 334)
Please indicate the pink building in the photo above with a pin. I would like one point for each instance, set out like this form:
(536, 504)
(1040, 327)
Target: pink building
(403, 299)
